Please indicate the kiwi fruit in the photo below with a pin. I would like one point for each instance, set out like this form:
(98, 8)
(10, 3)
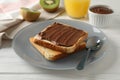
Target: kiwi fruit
(50, 5)
(29, 14)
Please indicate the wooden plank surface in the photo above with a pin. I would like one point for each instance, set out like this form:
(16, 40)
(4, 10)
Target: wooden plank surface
(12, 67)
(10, 63)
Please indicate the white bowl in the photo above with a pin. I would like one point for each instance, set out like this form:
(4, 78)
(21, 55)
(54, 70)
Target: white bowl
(100, 20)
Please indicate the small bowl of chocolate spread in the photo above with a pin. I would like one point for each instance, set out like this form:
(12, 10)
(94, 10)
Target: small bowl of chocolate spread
(100, 15)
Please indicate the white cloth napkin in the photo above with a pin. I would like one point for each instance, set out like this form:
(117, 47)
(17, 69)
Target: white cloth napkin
(9, 27)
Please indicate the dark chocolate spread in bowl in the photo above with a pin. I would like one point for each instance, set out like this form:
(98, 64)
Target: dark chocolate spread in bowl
(101, 9)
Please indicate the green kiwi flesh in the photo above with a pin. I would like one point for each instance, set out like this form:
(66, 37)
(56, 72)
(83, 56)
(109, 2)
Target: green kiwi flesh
(50, 5)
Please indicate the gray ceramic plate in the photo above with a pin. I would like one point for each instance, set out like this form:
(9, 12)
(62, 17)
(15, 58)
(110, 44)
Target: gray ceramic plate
(26, 51)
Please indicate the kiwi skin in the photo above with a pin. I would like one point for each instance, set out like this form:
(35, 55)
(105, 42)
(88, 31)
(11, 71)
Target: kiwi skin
(51, 10)
(29, 15)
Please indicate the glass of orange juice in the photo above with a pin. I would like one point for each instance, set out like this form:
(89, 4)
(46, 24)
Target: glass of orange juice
(76, 8)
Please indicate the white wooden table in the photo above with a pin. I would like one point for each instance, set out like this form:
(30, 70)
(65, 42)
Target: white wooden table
(12, 67)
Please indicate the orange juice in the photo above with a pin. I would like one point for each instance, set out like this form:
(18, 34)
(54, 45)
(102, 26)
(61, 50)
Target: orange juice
(76, 8)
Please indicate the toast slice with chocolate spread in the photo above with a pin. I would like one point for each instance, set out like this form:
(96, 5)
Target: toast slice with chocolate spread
(60, 37)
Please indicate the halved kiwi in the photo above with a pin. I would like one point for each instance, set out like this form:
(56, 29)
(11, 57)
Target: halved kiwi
(50, 5)
(29, 14)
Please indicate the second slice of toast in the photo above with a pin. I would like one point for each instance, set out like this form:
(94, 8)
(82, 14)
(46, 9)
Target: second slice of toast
(53, 55)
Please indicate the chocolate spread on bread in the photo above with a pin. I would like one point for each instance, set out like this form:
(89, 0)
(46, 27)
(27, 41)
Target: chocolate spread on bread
(61, 35)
